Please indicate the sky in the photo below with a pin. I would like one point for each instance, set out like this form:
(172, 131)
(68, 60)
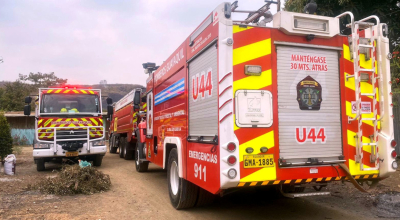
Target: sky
(86, 41)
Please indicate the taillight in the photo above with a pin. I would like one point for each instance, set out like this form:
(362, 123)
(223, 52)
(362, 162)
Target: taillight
(231, 160)
(394, 154)
(393, 143)
(231, 147)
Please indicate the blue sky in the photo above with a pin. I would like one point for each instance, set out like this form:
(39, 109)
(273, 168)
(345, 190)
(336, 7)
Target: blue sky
(87, 41)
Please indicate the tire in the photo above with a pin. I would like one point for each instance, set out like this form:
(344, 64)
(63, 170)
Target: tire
(141, 166)
(128, 151)
(98, 159)
(205, 198)
(182, 193)
(112, 148)
(121, 147)
(40, 165)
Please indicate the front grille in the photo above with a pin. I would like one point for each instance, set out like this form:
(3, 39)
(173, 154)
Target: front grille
(71, 134)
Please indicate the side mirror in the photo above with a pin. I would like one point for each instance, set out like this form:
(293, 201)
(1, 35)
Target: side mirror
(110, 111)
(27, 110)
(109, 101)
(136, 99)
(28, 100)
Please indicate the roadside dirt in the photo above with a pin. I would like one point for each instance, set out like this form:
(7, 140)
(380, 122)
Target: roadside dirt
(145, 196)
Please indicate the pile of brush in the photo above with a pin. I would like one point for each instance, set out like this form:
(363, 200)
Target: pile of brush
(74, 180)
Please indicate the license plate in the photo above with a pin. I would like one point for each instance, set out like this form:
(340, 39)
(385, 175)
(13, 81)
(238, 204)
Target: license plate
(257, 161)
(71, 154)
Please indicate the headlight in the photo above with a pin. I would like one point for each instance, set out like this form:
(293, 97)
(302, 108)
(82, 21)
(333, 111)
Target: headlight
(42, 146)
(98, 143)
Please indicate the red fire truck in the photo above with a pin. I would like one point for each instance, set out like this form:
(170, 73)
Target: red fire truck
(124, 123)
(239, 104)
(69, 125)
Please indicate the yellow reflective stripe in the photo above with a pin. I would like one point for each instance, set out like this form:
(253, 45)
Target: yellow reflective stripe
(309, 180)
(276, 182)
(101, 120)
(265, 183)
(238, 28)
(75, 91)
(47, 122)
(49, 91)
(355, 169)
(287, 181)
(328, 178)
(66, 91)
(319, 179)
(83, 91)
(251, 51)
(266, 140)
(253, 183)
(58, 91)
(241, 184)
(91, 92)
(298, 181)
(94, 121)
(366, 176)
(78, 124)
(254, 82)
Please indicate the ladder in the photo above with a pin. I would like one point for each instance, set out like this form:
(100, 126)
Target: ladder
(371, 45)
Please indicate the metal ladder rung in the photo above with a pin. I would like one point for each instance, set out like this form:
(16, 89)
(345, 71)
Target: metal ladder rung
(369, 144)
(368, 94)
(367, 70)
(365, 45)
(368, 119)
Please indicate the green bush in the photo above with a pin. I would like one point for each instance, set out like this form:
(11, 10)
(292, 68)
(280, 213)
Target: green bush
(5, 137)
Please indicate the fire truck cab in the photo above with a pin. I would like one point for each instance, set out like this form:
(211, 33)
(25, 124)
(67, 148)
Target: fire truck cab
(68, 124)
(294, 104)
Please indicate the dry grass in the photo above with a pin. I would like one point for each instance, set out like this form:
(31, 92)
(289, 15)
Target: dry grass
(74, 180)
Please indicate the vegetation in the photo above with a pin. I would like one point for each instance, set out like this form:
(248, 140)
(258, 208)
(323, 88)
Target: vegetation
(5, 138)
(74, 180)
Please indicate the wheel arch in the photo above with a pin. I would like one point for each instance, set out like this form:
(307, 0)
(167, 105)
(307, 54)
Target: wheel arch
(169, 144)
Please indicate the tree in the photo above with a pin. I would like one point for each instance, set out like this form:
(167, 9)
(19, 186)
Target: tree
(13, 96)
(5, 138)
(42, 79)
(388, 12)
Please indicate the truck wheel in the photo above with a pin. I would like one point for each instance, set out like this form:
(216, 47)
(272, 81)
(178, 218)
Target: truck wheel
(141, 166)
(97, 160)
(121, 147)
(182, 193)
(40, 165)
(128, 150)
(205, 198)
(112, 147)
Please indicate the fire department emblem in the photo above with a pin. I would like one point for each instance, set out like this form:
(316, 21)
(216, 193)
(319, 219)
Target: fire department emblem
(309, 94)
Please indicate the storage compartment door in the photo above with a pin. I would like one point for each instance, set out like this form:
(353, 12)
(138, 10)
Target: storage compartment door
(309, 104)
(203, 94)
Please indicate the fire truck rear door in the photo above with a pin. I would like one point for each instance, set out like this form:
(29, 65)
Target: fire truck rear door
(308, 104)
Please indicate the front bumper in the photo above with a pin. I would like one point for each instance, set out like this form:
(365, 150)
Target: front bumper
(40, 153)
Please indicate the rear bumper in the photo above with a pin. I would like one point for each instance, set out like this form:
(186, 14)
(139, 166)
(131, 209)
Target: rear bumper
(41, 153)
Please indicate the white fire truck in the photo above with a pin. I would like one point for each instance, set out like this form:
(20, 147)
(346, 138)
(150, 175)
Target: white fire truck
(69, 124)
(295, 104)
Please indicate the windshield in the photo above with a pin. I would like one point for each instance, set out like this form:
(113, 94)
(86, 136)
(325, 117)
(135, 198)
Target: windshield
(70, 103)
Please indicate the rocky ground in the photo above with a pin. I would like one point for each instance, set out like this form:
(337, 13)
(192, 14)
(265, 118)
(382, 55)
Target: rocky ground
(145, 196)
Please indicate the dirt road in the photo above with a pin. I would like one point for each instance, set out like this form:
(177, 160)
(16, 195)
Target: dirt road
(145, 196)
